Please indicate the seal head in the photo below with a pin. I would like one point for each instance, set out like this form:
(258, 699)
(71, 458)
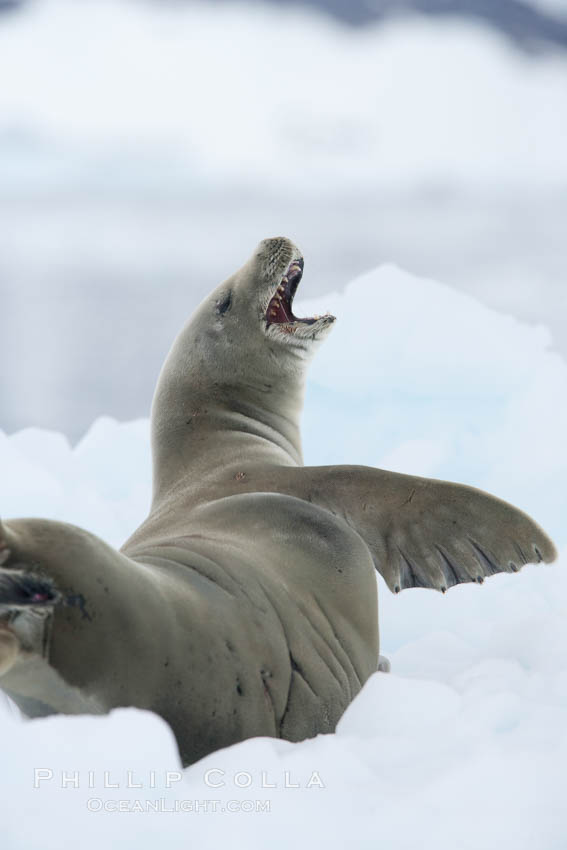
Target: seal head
(253, 308)
(237, 367)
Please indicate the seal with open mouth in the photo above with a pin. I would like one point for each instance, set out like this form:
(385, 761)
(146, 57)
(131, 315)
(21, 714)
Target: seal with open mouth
(245, 604)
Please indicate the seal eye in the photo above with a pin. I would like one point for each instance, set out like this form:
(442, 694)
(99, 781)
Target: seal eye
(224, 304)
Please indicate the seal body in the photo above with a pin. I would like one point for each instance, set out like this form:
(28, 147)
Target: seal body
(245, 604)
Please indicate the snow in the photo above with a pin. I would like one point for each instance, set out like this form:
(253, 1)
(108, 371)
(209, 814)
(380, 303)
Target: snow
(464, 743)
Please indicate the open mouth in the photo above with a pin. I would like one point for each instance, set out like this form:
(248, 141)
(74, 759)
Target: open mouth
(279, 310)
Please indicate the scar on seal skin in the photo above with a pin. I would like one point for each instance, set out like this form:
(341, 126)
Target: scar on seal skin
(245, 604)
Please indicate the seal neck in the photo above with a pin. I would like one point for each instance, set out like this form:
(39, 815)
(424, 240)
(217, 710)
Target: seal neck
(204, 432)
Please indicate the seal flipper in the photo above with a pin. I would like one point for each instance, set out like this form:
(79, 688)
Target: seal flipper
(422, 532)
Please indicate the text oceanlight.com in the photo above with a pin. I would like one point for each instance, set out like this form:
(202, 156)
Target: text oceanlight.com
(163, 806)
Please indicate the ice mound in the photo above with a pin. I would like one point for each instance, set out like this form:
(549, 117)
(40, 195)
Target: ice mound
(422, 379)
(464, 744)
